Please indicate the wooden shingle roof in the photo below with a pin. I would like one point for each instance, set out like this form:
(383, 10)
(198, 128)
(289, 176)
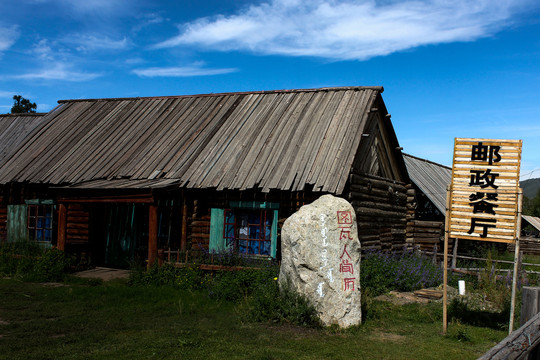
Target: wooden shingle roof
(14, 128)
(268, 140)
(431, 178)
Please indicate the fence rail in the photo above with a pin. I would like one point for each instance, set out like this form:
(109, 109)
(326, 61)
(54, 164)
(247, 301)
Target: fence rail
(520, 344)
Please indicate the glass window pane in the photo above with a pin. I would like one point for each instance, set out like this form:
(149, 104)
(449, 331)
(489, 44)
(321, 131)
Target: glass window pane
(265, 247)
(254, 232)
(253, 247)
(229, 216)
(48, 223)
(254, 217)
(242, 246)
(229, 231)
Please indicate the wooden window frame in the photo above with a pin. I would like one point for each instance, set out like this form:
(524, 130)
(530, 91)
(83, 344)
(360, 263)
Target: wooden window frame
(218, 242)
(234, 239)
(40, 221)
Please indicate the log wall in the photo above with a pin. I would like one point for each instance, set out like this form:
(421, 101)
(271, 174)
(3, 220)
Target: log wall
(77, 229)
(424, 235)
(381, 211)
(201, 203)
(3, 221)
(527, 245)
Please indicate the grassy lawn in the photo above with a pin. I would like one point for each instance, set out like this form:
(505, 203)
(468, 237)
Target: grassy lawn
(117, 321)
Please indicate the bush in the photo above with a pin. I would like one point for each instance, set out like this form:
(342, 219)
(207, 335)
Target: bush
(404, 271)
(269, 302)
(236, 285)
(51, 266)
(254, 288)
(189, 277)
(30, 261)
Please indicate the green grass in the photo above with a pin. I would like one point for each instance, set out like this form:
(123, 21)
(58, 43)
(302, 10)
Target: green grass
(116, 321)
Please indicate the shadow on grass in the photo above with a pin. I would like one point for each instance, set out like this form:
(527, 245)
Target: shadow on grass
(459, 310)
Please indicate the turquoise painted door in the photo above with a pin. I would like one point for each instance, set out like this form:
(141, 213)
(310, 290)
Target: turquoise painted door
(17, 223)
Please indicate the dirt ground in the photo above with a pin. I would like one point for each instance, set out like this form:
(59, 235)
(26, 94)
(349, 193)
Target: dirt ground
(105, 274)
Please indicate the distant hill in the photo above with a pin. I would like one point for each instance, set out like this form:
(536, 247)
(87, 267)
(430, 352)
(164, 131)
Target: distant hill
(530, 187)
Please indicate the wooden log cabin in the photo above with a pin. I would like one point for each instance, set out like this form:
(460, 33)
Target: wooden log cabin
(14, 128)
(156, 177)
(426, 203)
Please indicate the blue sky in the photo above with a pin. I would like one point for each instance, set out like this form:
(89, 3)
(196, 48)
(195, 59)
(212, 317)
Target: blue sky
(460, 68)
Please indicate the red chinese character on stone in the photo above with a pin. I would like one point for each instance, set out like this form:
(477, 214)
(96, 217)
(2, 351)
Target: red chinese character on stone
(345, 234)
(345, 253)
(346, 267)
(344, 218)
(348, 283)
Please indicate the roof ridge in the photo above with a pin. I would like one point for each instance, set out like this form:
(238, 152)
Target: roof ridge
(426, 160)
(25, 114)
(337, 88)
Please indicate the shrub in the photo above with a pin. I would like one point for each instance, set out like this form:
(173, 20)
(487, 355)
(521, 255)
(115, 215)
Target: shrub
(269, 302)
(189, 277)
(51, 266)
(30, 261)
(404, 271)
(236, 285)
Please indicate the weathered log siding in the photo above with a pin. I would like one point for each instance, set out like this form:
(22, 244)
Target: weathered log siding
(77, 231)
(201, 203)
(380, 206)
(3, 221)
(425, 235)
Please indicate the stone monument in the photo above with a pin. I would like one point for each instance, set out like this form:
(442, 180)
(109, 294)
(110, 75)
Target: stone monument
(321, 259)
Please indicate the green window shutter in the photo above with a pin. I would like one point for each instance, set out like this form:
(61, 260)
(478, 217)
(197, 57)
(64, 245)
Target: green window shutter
(274, 234)
(17, 217)
(217, 220)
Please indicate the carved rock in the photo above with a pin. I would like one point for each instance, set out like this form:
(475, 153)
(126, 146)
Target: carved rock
(321, 259)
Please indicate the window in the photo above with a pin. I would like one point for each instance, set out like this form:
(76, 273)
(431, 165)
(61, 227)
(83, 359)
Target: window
(248, 231)
(40, 220)
(247, 228)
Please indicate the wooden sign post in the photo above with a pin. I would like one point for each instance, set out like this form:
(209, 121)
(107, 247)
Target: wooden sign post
(482, 200)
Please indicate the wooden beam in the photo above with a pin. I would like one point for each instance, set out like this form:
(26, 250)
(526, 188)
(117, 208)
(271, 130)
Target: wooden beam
(183, 240)
(519, 344)
(152, 234)
(143, 198)
(62, 227)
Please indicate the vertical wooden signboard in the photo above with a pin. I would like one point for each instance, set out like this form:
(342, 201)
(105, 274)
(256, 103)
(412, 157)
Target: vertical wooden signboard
(483, 194)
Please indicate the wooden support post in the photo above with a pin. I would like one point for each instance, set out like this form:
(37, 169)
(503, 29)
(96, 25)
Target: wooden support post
(62, 227)
(183, 240)
(445, 260)
(530, 304)
(454, 254)
(152, 234)
(516, 262)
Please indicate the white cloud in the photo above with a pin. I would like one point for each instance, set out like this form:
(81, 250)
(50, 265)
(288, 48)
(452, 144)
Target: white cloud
(43, 50)
(347, 29)
(148, 20)
(87, 6)
(87, 42)
(59, 71)
(7, 94)
(8, 36)
(181, 71)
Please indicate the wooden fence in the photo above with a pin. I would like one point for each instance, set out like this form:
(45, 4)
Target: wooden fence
(520, 344)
